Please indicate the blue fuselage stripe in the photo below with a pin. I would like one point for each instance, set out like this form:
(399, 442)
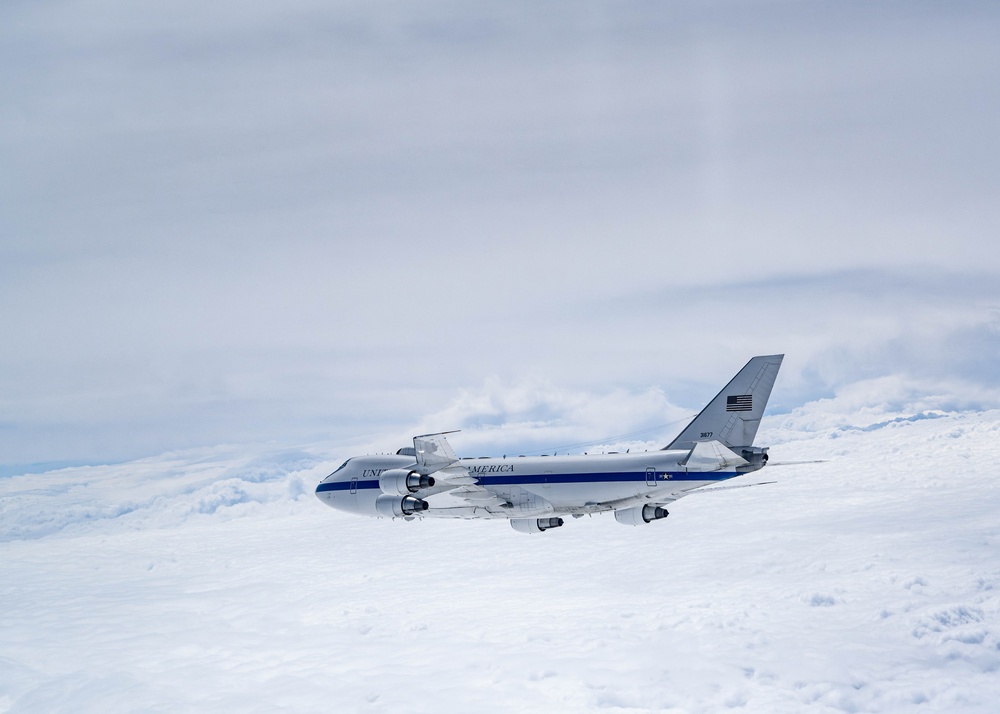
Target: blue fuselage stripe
(345, 485)
(541, 479)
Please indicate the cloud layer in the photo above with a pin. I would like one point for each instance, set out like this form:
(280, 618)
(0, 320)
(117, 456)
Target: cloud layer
(215, 581)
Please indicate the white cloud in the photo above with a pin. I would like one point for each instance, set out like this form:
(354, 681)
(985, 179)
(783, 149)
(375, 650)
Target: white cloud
(209, 580)
(534, 415)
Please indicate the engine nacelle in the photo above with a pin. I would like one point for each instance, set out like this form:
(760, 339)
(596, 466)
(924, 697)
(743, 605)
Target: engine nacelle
(640, 514)
(534, 525)
(396, 507)
(756, 455)
(400, 482)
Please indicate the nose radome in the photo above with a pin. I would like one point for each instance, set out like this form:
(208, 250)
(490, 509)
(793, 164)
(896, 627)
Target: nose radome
(323, 491)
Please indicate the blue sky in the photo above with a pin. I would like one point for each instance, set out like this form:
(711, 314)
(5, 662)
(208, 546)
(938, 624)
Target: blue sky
(322, 221)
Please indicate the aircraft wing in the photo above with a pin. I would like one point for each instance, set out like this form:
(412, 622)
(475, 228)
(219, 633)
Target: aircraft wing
(460, 490)
(473, 496)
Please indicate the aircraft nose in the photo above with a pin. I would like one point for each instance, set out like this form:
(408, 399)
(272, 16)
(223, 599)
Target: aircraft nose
(323, 488)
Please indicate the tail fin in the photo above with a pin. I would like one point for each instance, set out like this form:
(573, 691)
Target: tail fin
(734, 415)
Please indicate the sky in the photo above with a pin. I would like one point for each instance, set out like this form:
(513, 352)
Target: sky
(345, 223)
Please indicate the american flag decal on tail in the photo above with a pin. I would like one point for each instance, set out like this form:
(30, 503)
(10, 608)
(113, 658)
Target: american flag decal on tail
(739, 403)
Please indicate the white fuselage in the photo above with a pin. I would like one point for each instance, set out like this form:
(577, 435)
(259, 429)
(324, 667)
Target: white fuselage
(529, 486)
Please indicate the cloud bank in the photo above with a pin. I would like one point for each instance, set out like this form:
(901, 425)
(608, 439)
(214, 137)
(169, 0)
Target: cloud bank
(214, 580)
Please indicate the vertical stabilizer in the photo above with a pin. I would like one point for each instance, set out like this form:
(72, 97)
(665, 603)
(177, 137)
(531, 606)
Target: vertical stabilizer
(734, 415)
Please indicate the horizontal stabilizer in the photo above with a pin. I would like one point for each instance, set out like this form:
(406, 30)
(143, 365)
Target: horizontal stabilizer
(712, 456)
(730, 488)
(796, 463)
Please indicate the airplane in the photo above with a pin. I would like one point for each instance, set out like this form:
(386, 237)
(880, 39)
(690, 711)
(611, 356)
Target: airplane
(535, 492)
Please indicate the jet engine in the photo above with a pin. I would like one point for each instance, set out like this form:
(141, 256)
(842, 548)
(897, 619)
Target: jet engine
(534, 525)
(756, 456)
(395, 507)
(640, 514)
(400, 482)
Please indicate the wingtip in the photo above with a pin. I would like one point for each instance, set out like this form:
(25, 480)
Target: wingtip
(437, 433)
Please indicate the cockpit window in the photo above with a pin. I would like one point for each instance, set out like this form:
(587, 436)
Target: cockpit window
(339, 468)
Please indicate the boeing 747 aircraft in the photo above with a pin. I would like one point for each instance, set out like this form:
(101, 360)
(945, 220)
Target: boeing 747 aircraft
(534, 493)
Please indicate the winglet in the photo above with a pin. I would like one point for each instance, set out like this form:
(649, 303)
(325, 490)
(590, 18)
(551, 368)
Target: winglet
(433, 452)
